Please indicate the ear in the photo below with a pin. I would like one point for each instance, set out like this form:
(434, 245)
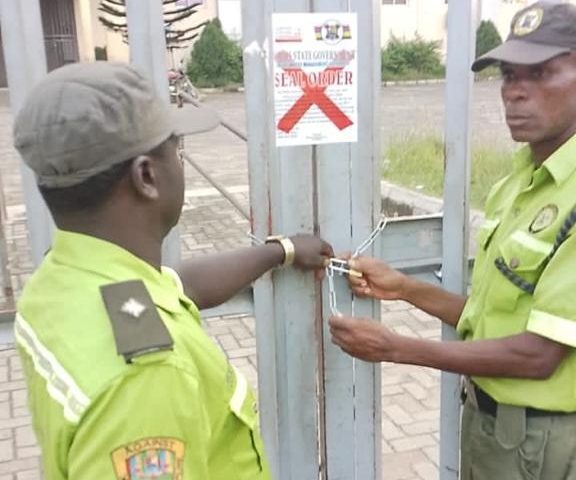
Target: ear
(144, 178)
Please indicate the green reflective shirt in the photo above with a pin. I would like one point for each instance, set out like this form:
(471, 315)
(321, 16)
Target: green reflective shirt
(524, 213)
(178, 414)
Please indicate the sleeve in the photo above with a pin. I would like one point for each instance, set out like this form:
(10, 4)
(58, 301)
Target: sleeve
(149, 424)
(553, 312)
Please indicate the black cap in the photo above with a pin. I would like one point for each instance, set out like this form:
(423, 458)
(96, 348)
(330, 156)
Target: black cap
(538, 33)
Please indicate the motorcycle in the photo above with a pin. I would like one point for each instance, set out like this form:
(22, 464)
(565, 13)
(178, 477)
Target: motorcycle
(180, 86)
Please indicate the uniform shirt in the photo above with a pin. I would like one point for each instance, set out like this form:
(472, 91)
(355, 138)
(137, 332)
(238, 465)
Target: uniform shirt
(524, 213)
(183, 414)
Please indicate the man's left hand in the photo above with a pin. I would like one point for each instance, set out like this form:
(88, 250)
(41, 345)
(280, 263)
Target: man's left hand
(312, 253)
(362, 338)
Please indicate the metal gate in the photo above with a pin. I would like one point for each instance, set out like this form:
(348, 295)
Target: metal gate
(59, 27)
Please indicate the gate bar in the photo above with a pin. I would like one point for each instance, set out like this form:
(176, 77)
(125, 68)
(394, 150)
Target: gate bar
(147, 39)
(462, 19)
(25, 57)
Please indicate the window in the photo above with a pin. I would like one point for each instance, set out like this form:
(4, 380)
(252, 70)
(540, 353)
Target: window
(394, 2)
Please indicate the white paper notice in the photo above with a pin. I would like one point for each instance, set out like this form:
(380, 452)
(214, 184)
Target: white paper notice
(315, 78)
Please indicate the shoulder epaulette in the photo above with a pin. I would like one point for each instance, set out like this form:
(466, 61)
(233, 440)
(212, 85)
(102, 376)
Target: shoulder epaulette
(137, 325)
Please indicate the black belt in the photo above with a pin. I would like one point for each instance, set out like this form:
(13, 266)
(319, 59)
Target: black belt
(488, 405)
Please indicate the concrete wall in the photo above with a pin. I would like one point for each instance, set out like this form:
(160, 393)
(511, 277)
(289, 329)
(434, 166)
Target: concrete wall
(84, 29)
(426, 18)
(230, 15)
(503, 13)
(104, 38)
(207, 11)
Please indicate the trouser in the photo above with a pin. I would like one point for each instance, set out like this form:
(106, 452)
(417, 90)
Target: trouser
(513, 446)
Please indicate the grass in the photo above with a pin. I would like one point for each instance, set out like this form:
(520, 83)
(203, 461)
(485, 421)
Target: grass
(489, 73)
(417, 162)
(411, 75)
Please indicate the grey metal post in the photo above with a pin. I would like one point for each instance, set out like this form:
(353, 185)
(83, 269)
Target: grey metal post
(260, 119)
(349, 204)
(330, 188)
(147, 40)
(461, 46)
(25, 59)
(281, 196)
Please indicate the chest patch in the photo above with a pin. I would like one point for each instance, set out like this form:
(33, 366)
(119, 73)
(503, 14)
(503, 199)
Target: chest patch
(544, 218)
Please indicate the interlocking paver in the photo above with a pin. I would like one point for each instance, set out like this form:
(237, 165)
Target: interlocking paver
(6, 450)
(414, 442)
(5, 410)
(425, 470)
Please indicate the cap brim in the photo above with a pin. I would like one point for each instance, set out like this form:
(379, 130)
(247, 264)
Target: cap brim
(191, 119)
(518, 52)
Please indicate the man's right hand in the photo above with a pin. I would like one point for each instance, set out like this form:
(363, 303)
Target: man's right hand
(378, 279)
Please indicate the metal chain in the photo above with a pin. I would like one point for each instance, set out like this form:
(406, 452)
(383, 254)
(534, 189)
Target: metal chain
(337, 265)
(341, 266)
(332, 292)
(372, 237)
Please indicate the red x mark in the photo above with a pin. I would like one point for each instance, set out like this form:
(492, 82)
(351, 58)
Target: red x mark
(313, 95)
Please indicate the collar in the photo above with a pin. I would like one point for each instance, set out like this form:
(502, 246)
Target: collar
(560, 165)
(116, 264)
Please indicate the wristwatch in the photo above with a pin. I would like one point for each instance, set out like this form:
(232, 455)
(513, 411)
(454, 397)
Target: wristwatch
(287, 245)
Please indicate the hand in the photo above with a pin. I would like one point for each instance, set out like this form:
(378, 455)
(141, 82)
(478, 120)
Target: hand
(362, 338)
(312, 253)
(378, 279)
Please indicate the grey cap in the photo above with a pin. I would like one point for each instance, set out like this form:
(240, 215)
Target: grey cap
(538, 33)
(82, 119)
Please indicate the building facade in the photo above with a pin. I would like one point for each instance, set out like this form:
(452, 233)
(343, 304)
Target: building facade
(72, 32)
(68, 34)
(117, 49)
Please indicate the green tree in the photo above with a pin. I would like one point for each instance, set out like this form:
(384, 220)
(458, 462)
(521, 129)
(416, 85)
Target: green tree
(487, 37)
(215, 61)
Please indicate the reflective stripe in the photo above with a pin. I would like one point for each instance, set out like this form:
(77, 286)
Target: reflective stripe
(531, 242)
(60, 385)
(559, 329)
(240, 392)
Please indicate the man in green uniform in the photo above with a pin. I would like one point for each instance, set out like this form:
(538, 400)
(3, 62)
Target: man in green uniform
(519, 322)
(123, 382)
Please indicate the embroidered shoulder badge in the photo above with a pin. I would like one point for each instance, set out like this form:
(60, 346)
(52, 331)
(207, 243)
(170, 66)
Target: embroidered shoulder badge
(152, 458)
(544, 218)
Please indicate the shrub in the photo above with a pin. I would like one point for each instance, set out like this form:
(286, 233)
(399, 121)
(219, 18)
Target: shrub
(487, 37)
(416, 58)
(215, 61)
